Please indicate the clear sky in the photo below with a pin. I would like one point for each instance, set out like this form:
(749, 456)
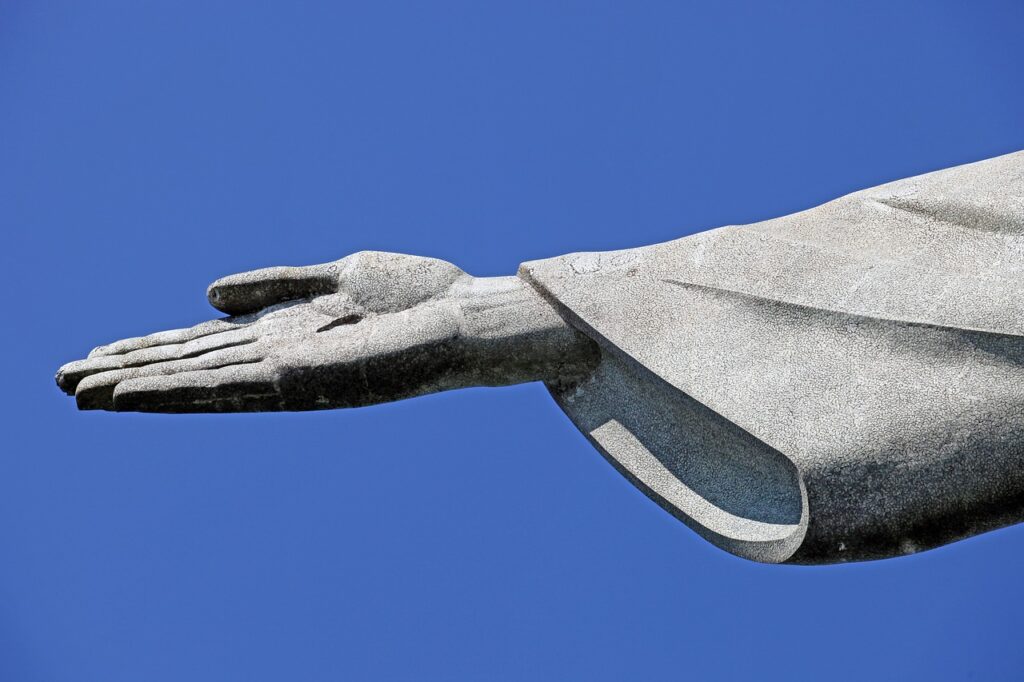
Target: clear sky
(148, 148)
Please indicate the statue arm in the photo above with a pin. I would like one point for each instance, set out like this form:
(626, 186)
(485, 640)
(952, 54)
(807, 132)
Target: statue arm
(370, 328)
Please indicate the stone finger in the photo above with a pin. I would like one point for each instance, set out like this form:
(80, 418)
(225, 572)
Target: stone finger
(171, 336)
(249, 292)
(96, 392)
(236, 388)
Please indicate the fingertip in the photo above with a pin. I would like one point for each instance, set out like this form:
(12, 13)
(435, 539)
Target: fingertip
(218, 293)
(69, 375)
(62, 382)
(93, 393)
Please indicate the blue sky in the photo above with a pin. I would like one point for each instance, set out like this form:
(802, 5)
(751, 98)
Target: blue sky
(148, 148)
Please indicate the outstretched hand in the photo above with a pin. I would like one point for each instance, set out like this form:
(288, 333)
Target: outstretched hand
(368, 328)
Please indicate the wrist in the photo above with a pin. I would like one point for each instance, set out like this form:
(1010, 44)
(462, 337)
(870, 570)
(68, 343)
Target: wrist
(511, 334)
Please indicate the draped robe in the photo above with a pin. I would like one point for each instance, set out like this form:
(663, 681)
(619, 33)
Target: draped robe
(843, 383)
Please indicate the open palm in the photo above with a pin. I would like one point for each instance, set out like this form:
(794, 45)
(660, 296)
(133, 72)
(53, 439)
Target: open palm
(368, 328)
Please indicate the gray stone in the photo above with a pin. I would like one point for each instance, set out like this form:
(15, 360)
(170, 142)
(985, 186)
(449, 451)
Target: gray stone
(844, 383)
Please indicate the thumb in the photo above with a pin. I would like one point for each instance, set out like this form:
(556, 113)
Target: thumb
(248, 292)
